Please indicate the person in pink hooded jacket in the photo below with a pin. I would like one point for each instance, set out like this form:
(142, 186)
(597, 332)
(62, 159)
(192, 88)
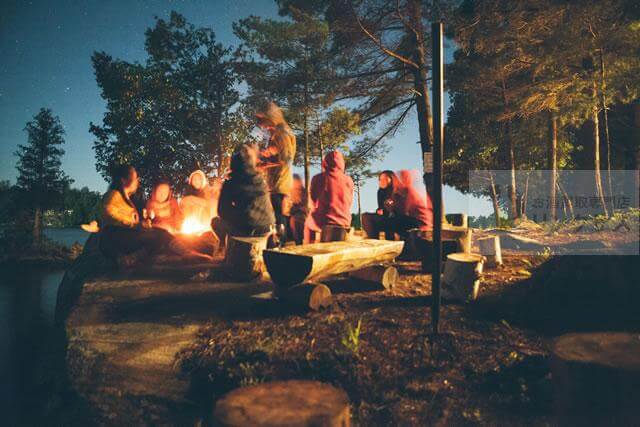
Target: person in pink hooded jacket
(331, 196)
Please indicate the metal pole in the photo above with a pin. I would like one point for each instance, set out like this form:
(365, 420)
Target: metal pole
(437, 88)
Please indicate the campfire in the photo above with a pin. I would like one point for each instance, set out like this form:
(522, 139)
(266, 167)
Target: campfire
(194, 226)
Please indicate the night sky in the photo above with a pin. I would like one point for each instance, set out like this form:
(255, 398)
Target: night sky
(45, 51)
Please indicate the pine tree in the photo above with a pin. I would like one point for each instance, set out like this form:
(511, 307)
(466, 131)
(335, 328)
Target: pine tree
(40, 176)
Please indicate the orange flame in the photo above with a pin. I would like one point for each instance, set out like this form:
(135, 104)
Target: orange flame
(193, 225)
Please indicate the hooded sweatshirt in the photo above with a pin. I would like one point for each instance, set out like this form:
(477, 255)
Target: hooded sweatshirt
(244, 198)
(167, 214)
(414, 203)
(279, 178)
(332, 193)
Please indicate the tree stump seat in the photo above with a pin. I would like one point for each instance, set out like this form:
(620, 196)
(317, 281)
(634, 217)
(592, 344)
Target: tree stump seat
(461, 278)
(243, 259)
(284, 403)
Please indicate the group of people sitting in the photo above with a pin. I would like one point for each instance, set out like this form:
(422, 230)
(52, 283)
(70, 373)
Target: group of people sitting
(259, 197)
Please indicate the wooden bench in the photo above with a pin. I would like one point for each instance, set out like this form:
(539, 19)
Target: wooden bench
(454, 239)
(299, 264)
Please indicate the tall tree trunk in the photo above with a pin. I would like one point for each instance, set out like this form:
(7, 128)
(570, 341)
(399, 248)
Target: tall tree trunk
(525, 196)
(423, 104)
(494, 200)
(552, 163)
(37, 225)
(359, 203)
(603, 87)
(307, 166)
(513, 190)
(596, 158)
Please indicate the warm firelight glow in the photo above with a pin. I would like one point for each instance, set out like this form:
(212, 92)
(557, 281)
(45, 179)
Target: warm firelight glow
(193, 225)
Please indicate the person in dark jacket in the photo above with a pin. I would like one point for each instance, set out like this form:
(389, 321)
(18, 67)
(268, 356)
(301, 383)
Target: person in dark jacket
(380, 220)
(245, 207)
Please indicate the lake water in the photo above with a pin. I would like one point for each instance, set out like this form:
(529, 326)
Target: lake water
(27, 307)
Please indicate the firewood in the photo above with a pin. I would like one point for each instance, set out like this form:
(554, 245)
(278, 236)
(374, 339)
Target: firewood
(284, 403)
(379, 275)
(596, 378)
(299, 264)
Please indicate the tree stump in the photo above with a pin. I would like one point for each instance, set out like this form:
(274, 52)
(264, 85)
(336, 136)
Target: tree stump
(461, 278)
(333, 233)
(284, 403)
(243, 258)
(306, 296)
(458, 220)
(378, 275)
(596, 378)
(490, 249)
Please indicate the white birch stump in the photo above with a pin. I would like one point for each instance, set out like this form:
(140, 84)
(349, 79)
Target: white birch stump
(243, 258)
(284, 403)
(378, 275)
(490, 249)
(596, 378)
(461, 278)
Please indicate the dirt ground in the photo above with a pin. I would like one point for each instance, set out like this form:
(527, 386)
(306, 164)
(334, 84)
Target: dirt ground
(489, 365)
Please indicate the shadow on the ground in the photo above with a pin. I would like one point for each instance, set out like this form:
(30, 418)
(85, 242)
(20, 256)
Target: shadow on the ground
(571, 293)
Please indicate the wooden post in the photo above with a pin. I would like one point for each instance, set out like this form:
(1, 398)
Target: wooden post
(284, 403)
(437, 70)
(490, 249)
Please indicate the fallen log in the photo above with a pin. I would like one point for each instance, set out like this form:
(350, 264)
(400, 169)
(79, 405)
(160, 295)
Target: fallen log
(307, 296)
(299, 264)
(596, 378)
(243, 258)
(377, 275)
(461, 278)
(490, 249)
(284, 403)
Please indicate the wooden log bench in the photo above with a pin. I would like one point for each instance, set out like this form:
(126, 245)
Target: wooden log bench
(284, 403)
(596, 378)
(291, 266)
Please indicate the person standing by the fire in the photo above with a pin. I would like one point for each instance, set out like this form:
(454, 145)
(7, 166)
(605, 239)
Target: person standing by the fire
(276, 160)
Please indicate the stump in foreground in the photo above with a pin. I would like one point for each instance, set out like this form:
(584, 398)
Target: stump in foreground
(596, 378)
(243, 258)
(307, 296)
(461, 278)
(284, 403)
(299, 264)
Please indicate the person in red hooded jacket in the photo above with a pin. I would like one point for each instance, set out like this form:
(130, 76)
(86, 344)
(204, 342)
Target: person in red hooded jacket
(331, 196)
(413, 208)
